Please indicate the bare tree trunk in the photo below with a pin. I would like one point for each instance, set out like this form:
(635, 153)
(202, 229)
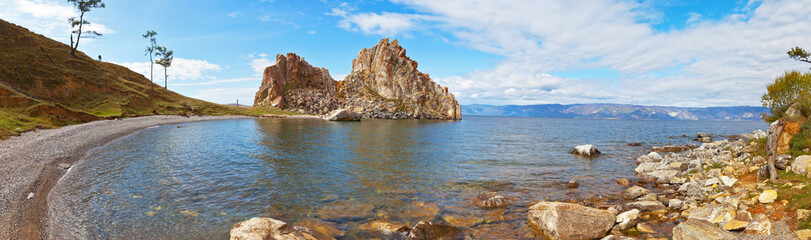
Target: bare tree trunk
(78, 35)
(151, 65)
(775, 132)
(165, 77)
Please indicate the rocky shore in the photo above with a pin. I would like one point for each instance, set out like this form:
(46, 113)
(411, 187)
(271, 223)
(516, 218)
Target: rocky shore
(36, 160)
(717, 190)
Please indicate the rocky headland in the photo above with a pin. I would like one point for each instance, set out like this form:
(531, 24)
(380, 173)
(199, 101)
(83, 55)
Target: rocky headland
(384, 83)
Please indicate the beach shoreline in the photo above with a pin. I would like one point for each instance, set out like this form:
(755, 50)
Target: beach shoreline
(35, 161)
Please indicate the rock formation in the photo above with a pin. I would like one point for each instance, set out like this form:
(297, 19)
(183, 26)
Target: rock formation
(293, 73)
(384, 83)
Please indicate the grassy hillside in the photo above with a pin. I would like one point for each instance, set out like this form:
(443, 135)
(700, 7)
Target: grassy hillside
(43, 86)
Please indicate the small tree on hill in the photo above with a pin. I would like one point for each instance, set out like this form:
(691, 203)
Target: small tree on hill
(83, 6)
(150, 35)
(165, 60)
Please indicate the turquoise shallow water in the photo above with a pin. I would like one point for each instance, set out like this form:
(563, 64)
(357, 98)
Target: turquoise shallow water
(195, 180)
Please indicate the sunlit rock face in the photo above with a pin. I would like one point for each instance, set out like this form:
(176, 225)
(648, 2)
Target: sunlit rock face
(291, 72)
(384, 83)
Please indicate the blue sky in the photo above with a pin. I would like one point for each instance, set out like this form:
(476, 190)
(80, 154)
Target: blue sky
(680, 53)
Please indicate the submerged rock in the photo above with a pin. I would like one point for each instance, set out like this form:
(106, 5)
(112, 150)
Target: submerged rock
(346, 210)
(491, 200)
(587, 150)
(384, 227)
(432, 231)
(557, 220)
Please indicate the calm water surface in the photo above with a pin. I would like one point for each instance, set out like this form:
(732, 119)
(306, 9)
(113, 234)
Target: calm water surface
(195, 180)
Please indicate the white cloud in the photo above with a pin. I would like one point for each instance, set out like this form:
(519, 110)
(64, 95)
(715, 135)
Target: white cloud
(708, 62)
(227, 95)
(47, 17)
(181, 69)
(311, 32)
(259, 62)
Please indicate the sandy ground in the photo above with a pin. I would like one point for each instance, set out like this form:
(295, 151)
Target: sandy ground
(31, 164)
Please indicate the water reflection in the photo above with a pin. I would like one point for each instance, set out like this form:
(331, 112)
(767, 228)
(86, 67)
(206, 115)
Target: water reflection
(198, 180)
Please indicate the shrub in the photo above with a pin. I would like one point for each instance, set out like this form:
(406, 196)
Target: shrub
(801, 140)
(792, 87)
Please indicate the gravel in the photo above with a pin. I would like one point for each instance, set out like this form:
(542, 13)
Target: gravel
(33, 162)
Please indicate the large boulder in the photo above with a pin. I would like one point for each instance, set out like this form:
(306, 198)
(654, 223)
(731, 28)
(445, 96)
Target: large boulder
(268, 228)
(694, 229)
(343, 115)
(587, 150)
(801, 165)
(556, 220)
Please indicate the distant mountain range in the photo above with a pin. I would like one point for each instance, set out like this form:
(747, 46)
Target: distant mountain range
(617, 111)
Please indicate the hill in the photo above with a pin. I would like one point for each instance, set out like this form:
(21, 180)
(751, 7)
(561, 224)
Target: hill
(617, 111)
(43, 86)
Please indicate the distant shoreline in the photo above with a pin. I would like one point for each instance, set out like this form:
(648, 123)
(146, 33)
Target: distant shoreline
(35, 161)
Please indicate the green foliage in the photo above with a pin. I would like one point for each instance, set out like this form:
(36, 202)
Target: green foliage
(165, 55)
(799, 54)
(150, 35)
(801, 140)
(792, 87)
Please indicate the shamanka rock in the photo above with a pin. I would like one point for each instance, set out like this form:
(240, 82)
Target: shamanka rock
(384, 83)
(557, 220)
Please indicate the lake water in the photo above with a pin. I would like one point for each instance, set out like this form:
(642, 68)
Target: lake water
(195, 180)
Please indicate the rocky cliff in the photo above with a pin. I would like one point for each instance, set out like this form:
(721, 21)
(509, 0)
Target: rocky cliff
(384, 83)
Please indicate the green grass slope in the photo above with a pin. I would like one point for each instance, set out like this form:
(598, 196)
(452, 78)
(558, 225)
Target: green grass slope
(43, 86)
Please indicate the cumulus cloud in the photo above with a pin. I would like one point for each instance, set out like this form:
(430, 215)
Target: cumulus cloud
(259, 62)
(708, 62)
(47, 17)
(385, 24)
(181, 69)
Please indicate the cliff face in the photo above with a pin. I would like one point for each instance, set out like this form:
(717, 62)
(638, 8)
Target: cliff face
(384, 83)
(291, 72)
